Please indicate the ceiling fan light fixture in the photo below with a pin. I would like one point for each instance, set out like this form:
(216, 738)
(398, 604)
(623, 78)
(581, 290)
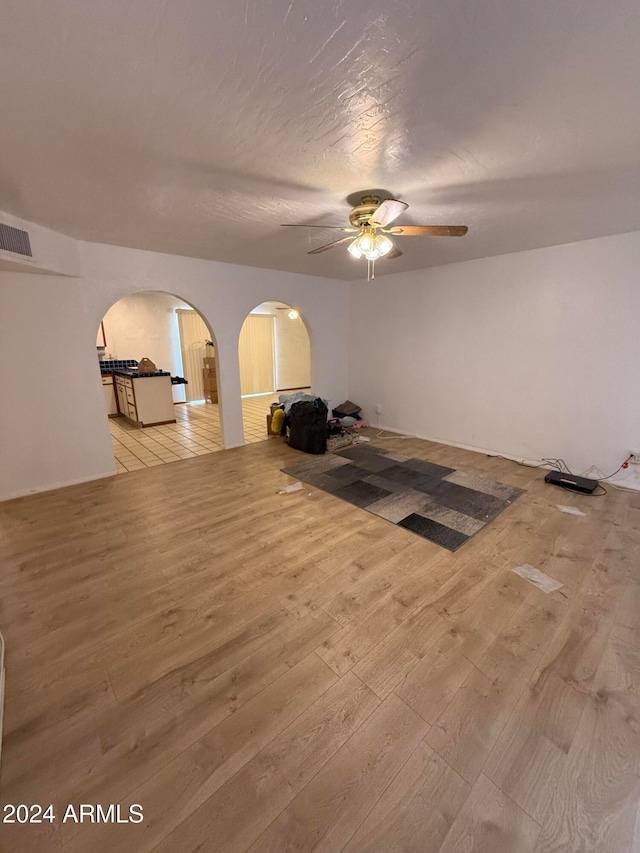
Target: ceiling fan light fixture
(372, 215)
(373, 246)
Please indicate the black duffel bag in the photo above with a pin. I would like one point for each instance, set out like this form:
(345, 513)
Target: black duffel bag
(308, 426)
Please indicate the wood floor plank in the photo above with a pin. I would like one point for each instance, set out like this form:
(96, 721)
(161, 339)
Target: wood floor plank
(490, 822)
(416, 811)
(341, 573)
(327, 812)
(598, 793)
(627, 624)
(245, 806)
(400, 651)
(430, 686)
(200, 696)
(185, 783)
(347, 604)
(469, 726)
(542, 728)
(374, 622)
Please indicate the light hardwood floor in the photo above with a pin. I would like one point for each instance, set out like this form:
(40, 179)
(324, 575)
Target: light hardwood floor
(272, 672)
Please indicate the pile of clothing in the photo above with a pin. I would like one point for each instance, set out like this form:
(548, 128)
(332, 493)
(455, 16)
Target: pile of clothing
(347, 414)
(303, 418)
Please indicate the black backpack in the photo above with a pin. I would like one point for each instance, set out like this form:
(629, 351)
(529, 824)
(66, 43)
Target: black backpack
(308, 426)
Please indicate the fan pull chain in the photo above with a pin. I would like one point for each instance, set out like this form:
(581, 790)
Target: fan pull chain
(371, 270)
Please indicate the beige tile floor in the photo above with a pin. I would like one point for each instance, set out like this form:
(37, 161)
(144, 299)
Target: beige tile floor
(196, 432)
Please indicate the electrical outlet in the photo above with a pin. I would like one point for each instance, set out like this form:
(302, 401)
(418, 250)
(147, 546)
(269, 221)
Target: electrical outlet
(379, 409)
(634, 457)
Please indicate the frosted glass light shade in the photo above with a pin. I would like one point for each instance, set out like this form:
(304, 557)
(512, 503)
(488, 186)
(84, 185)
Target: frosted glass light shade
(372, 246)
(383, 244)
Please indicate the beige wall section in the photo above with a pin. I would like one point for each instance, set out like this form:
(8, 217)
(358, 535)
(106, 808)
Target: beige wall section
(293, 352)
(193, 334)
(256, 354)
(145, 325)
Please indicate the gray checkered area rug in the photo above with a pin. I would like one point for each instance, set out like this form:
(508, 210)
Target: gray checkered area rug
(441, 504)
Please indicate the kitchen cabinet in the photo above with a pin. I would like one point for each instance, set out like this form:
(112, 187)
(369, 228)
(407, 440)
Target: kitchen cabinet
(145, 401)
(110, 403)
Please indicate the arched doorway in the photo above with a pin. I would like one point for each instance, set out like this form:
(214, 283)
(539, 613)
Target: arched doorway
(274, 354)
(158, 418)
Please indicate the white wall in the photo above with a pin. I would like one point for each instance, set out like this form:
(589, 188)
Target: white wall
(531, 354)
(53, 425)
(48, 336)
(146, 325)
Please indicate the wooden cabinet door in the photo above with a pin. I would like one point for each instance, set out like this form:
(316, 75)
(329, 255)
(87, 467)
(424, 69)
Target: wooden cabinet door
(123, 403)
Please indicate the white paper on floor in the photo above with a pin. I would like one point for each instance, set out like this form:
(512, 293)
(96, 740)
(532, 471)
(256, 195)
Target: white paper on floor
(537, 578)
(287, 490)
(572, 510)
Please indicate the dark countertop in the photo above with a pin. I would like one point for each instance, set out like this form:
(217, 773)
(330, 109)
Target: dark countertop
(133, 374)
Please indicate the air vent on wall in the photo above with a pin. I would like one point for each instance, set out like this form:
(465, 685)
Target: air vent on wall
(14, 240)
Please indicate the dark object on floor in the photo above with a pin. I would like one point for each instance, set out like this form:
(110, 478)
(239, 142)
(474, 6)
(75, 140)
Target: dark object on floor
(346, 409)
(308, 426)
(438, 503)
(571, 482)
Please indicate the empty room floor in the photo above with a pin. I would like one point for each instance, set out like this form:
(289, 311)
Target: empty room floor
(196, 432)
(271, 672)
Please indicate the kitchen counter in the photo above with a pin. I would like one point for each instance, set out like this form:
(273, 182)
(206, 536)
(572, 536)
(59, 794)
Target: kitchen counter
(142, 403)
(132, 373)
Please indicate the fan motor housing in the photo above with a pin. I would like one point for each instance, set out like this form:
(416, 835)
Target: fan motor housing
(361, 214)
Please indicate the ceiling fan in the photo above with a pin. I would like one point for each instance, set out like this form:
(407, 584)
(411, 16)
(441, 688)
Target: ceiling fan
(368, 234)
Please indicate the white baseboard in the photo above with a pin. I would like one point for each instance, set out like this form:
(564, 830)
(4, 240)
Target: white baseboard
(473, 448)
(629, 481)
(49, 488)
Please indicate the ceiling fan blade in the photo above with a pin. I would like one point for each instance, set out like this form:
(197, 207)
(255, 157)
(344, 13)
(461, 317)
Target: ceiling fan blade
(393, 253)
(335, 227)
(428, 230)
(387, 212)
(330, 245)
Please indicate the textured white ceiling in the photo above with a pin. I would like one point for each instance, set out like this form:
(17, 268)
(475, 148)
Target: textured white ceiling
(197, 126)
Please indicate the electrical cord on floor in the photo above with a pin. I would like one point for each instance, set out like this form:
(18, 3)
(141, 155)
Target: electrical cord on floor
(561, 466)
(624, 465)
(394, 435)
(554, 463)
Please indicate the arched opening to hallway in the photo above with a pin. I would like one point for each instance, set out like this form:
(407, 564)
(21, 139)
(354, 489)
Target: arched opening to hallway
(274, 352)
(172, 411)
